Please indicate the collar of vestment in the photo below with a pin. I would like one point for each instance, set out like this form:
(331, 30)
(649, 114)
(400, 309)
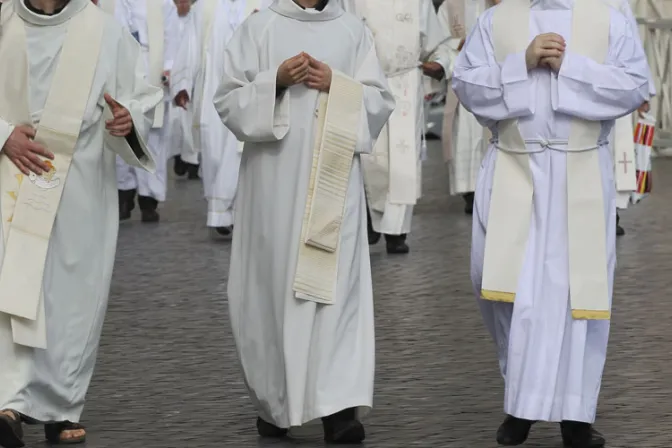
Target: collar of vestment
(324, 11)
(39, 18)
(551, 4)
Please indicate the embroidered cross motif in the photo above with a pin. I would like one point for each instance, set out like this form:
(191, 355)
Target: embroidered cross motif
(403, 147)
(625, 162)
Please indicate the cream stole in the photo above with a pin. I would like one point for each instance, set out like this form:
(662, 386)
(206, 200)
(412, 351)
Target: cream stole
(155, 38)
(512, 190)
(624, 157)
(29, 205)
(391, 172)
(109, 6)
(337, 125)
(208, 14)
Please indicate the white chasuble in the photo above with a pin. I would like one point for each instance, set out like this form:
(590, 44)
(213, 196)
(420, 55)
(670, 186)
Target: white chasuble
(338, 120)
(29, 216)
(392, 169)
(511, 200)
(109, 6)
(155, 37)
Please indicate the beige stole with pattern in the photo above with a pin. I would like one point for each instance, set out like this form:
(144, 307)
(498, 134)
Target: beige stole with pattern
(29, 204)
(208, 15)
(391, 171)
(512, 189)
(337, 125)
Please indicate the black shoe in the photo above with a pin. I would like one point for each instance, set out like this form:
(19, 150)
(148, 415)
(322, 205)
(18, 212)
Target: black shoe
(469, 203)
(192, 171)
(374, 236)
(179, 167)
(126, 204)
(513, 431)
(620, 231)
(343, 428)
(269, 430)
(396, 244)
(581, 435)
(11, 431)
(148, 208)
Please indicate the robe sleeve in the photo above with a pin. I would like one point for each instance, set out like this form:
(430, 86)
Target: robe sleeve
(626, 10)
(378, 99)
(598, 92)
(246, 97)
(489, 90)
(6, 130)
(171, 27)
(434, 39)
(187, 61)
(134, 93)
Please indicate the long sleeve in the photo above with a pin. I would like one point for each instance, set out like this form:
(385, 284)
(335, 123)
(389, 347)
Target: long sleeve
(6, 130)
(122, 13)
(171, 33)
(598, 92)
(187, 61)
(626, 10)
(138, 97)
(487, 89)
(246, 100)
(378, 100)
(434, 39)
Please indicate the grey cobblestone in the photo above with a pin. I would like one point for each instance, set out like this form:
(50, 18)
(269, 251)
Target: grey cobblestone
(167, 372)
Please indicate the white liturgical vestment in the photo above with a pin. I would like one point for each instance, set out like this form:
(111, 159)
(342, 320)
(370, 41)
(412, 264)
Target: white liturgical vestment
(302, 359)
(552, 362)
(155, 25)
(198, 69)
(71, 60)
(406, 33)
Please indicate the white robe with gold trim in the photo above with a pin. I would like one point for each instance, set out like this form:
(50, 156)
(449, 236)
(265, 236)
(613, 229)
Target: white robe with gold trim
(50, 385)
(301, 360)
(552, 364)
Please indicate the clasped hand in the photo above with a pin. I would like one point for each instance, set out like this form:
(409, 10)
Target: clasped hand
(546, 50)
(304, 69)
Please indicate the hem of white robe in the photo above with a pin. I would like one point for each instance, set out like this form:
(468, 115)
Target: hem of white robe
(543, 408)
(393, 221)
(189, 156)
(622, 199)
(363, 405)
(459, 188)
(220, 219)
(38, 412)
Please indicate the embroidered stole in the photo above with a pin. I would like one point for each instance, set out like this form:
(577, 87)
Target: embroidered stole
(338, 120)
(391, 171)
(29, 204)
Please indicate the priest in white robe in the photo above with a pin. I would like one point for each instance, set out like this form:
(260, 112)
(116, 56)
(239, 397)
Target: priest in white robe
(73, 90)
(299, 291)
(198, 69)
(409, 41)
(548, 77)
(182, 149)
(464, 139)
(154, 24)
(622, 135)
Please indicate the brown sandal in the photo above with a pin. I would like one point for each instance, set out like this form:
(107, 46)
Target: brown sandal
(11, 430)
(53, 432)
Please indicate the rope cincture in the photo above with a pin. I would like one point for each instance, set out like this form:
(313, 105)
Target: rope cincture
(553, 145)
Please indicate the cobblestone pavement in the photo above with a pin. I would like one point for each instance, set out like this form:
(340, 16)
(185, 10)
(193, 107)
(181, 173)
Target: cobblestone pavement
(167, 373)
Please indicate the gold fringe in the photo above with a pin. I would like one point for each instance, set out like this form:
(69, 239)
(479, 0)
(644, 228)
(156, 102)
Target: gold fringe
(498, 296)
(591, 315)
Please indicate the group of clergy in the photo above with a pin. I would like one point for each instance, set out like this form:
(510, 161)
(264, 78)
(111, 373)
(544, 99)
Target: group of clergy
(309, 113)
